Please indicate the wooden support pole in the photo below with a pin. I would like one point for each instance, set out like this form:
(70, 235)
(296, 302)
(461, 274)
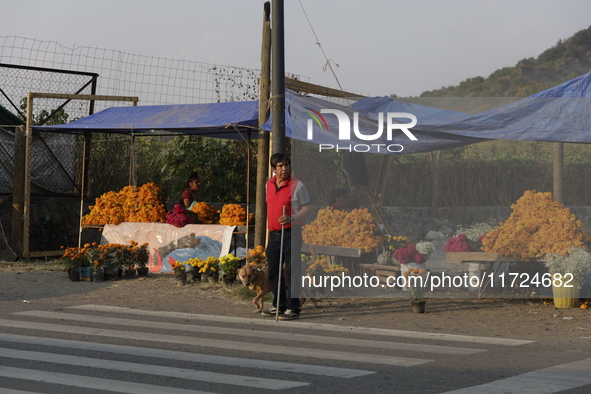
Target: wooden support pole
(260, 224)
(559, 172)
(28, 151)
(18, 191)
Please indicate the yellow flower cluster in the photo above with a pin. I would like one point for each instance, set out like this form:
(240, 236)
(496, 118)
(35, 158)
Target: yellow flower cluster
(229, 264)
(355, 229)
(399, 242)
(206, 214)
(257, 256)
(234, 215)
(322, 267)
(131, 204)
(209, 266)
(539, 225)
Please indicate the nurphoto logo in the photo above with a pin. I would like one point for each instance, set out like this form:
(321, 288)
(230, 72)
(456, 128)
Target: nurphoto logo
(344, 130)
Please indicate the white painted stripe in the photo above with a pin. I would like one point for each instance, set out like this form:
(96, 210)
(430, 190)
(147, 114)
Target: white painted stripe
(88, 382)
(10, 391)
(315, 326)
(235, 332)
(220, 344)
(191, 357)
(159, 370)
(547, 380)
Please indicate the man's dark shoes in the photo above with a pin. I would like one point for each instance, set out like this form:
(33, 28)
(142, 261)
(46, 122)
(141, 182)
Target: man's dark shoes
(289, 315)
(271, 313)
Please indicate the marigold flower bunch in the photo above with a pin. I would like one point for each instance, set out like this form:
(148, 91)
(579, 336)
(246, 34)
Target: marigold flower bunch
(410, 254)
(210, 266)
(131, 204)
(355, 229)
(206, 214)
(257, 256)
(178, 268)
(393, 243)
(234, 215)
(538, 226)
(322, 267)
(229, 264)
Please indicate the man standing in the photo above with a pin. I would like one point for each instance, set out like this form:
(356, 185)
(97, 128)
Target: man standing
(285, 191)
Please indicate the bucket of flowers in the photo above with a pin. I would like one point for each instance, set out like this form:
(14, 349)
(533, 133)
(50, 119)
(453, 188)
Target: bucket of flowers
(229, 265)
(416, 281)
(209, 269)
(566, 273)
(257, 256)
(179, 272)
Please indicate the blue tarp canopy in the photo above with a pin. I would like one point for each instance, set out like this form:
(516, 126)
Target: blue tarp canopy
(221, 120)
(559, 114)
(299, 109)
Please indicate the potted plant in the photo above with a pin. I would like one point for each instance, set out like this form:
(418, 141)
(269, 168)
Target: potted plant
(566, 273)
(209, 269)
(416, 281)
(179, 272)
(229, 265)
(192, 266)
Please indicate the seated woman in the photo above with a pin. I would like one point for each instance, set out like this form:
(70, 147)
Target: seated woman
(190, 195)
(340, 200)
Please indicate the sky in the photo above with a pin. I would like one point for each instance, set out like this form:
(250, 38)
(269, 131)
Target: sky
(381, 47)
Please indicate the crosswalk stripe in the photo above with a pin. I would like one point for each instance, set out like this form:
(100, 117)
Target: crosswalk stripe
(190, 357)
(88, 382)
(159, 370)
(548, 380)
(458, 351)
(315, 326)
(220, 344)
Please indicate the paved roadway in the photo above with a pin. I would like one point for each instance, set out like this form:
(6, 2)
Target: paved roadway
(103, 349)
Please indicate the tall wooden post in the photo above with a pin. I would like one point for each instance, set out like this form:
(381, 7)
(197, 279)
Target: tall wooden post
(558, 172)
(260, 224)
(18, 191)
(27, 175)
(278, 77)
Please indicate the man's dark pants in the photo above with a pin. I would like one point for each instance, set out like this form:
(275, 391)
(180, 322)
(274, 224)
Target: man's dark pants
(292, 246)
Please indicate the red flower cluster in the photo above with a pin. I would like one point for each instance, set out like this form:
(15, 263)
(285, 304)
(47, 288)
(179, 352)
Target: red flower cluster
(179, 216)
(408, 255)
(458, 244)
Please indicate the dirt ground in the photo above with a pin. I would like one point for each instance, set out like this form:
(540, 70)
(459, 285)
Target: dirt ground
(36, 285)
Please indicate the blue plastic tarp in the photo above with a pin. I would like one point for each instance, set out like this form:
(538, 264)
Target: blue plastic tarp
(299, 109)
(221, 120)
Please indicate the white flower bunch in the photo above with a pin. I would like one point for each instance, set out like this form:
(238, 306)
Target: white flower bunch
(577, 262)
(475, 231)
(425, 248)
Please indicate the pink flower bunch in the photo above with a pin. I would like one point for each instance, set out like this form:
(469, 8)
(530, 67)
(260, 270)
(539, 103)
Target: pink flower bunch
(409, 254)
(179, 217)
(458, 244)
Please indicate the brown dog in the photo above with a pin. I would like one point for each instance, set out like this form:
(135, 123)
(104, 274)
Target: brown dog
(255, 277)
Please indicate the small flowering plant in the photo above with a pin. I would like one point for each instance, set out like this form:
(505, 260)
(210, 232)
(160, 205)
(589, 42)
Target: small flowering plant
(425, 248)
(410, 254)
(462, 243)
(179, 269)
(577, 262)
(396, 242)
(257, 256)
(229, 264)
(416, 281)
(208, 267)
(322, 267)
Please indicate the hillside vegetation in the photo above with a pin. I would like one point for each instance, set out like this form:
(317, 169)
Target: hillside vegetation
(566, 60)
